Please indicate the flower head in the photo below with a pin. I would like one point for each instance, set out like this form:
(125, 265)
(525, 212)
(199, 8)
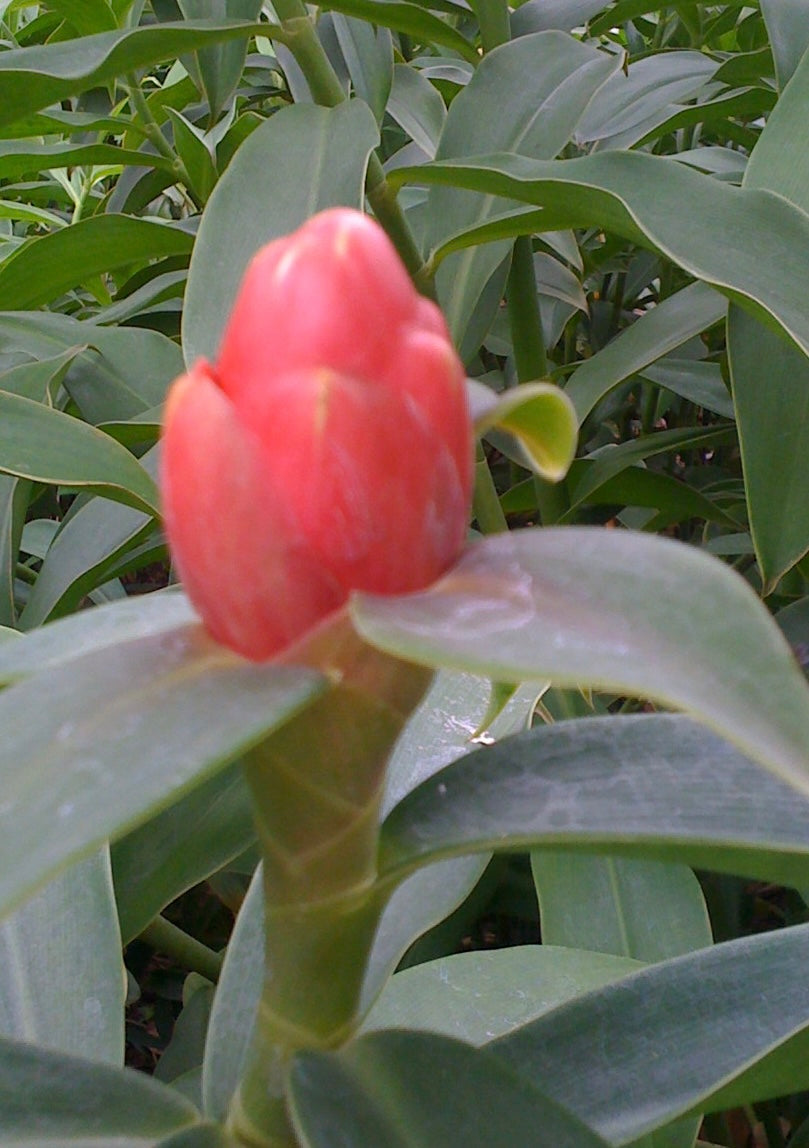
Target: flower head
(327, 450)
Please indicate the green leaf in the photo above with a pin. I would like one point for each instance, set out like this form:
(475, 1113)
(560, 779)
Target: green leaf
(181, 846)
(634, 486)
(235, 1005)
(770, 380)
(640, 197)
(86, 16)
(526, 96)
(18, 158)
(412, 19)
(628, 907)
(45, 445)
(11, 209)
(610, 607)
(126, 374)
(60, 966)
(183, 1054)
(302, 160)
(631, 103)
(14, 498)
(539, 416)
(50, 1097)
(127, 729)
(657, 332)
(545, 15)
(394, 1088)
(141, 616)
(728, 1024)
(191, 147)
(39, 379)
(700, 383)
(443, 728)
(654, 786)
(94, 544)
(368, 54)
(43, 268)
(220, 67)
(786, 26)
(482, 995)
(38, 75)
(770, 377)
(417, 107)
(613, 459)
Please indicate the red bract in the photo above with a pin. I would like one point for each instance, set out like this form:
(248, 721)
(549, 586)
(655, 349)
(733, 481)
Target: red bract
(329, 447)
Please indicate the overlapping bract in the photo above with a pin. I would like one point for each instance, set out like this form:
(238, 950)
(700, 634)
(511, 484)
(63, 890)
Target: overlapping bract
(329, 447)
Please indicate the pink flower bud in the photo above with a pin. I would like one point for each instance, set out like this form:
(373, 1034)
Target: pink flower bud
(329, 448)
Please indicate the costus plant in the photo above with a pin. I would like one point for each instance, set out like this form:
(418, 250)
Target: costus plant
(402, 424)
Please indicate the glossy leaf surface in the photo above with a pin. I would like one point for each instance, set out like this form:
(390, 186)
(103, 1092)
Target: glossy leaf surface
(147, 703)
(585, 606)
(657, 786)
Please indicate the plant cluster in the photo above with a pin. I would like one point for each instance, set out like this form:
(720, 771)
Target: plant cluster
(587, 720)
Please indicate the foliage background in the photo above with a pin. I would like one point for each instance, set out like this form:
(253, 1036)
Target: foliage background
(611, 197)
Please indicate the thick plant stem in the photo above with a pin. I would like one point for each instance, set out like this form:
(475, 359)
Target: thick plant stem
(300, 37)
(530, 358)
(317, 784)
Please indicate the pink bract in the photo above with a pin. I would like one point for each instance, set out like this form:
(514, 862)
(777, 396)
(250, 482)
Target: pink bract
(329, 449)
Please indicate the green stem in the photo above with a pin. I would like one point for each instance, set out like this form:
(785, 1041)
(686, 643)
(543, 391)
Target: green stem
(317, 785)
(154, 134)
(186, 951)
(300, 36)
(486, 507)
(530, 357)
(25, 573)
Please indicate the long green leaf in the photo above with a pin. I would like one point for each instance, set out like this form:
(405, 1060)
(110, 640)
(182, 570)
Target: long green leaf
(641, 197)
(43, 268)
(91, 547)
(137, 617)
(19, 157)
(43, 444)
(526, 96)
(413, 19)
(482, 995)
(657, 332)
(60, 973)
(124, 372)
(655, 786)
(393, 1088)
(618, 610)
(626, 906)
(789, 36)
(179, 847)
(49, 1097)
(729, 1024)
(221, 66)
(770, 377)
(33, 77)
(126, 730)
